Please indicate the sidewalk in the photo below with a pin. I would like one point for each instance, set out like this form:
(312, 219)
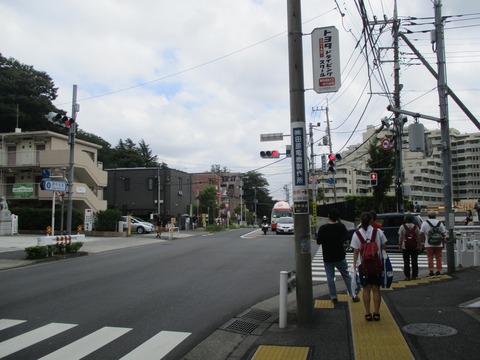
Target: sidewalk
(12, 248)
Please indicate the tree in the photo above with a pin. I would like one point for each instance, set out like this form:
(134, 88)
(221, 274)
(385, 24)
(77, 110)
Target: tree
(255, 191)
(26, 96)
(217, 169)
(208, 200)
(381, 162)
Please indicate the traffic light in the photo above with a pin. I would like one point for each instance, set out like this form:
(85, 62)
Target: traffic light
(59, 119)
(331, 164)
(373, 179)
(270, 154)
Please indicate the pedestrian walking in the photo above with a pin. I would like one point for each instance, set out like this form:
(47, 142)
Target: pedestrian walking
(417, 208)
(375, 223)
(158, 225)
(432, 236)
(469, 218)
(332, 237)
(477, 208)
(409, 243)
(368, 243)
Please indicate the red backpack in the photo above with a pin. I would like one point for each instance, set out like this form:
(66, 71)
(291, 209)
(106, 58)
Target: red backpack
(410, 237)
(371, 265)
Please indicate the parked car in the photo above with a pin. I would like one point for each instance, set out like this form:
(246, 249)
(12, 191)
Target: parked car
(137, 225)
(390, 225)
(285, 225)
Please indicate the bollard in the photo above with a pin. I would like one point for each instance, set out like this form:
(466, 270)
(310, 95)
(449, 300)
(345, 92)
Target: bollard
(464, 242)
(282, 316)
(475, 253)
(459, 253)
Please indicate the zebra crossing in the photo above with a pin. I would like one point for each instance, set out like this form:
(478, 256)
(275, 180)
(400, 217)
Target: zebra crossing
(319, 274)
(154, 348)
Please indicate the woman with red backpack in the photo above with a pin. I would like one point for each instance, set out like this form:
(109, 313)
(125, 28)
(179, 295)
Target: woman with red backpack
(367, 244)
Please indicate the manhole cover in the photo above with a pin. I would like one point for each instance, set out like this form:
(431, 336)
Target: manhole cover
(432, 330)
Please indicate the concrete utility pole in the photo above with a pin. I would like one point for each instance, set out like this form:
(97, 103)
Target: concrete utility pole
(445, 135)
(398, 120)
(71, 141)
(303, 260)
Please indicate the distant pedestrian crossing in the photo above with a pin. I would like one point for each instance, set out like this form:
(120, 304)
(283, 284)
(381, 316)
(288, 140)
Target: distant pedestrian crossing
(155, 348)
(318, 269)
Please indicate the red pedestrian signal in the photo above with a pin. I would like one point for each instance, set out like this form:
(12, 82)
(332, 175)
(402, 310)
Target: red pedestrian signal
(373, 179)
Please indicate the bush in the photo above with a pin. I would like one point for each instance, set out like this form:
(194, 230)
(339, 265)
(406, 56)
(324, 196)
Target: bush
(214, 228)
(42, 252)
(36, 252)
(30, 218)
(107, 220)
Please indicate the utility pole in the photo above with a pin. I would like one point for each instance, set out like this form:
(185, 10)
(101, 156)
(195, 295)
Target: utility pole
(303, 260)
(445, 135)
(71, 164)
(398, 120)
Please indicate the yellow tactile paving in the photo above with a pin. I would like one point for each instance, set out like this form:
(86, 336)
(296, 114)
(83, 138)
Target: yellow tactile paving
(327, 304)
(265, 352)
(377, 339)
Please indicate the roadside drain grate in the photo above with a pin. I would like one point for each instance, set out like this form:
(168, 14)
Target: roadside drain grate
(256, 314)
(239, 326)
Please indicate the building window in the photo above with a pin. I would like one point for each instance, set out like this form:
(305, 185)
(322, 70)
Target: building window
(150, 183)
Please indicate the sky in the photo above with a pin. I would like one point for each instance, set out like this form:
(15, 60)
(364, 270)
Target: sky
(199, 80)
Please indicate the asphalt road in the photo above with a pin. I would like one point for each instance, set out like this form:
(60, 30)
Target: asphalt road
(187, 287)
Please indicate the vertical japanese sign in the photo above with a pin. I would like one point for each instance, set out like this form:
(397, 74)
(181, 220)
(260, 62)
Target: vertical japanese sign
(299, 164)
(326, 60)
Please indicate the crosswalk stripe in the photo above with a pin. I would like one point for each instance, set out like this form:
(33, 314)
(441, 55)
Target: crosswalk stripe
(158, 346)
(6, 323)
(20, 342)
(87, 344)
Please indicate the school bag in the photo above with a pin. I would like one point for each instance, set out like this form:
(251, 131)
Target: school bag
(371, 265)
(435, 236)
(410, 237)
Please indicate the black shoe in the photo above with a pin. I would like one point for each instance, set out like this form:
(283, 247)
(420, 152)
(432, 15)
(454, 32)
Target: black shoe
(355, 299)
(437, 273)
(430, 274)
(335, 301)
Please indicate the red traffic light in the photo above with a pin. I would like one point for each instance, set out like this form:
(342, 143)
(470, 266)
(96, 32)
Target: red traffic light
(270, 154)
(331, 157)
(373, 176)
(373, 179)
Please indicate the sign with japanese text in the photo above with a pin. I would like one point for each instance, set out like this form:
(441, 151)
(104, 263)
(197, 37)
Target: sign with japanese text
(299, 168)
(326, 60)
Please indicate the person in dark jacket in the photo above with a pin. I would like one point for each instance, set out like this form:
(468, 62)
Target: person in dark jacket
(332, 236)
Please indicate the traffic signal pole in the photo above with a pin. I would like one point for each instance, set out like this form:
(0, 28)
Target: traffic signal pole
(303, 259)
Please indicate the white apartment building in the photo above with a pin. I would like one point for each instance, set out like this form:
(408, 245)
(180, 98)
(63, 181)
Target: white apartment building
(423, 176)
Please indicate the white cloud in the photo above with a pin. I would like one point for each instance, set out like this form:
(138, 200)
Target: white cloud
(200, 80)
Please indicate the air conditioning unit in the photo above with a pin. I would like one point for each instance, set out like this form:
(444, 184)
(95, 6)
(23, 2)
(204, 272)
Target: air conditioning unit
(180, 193)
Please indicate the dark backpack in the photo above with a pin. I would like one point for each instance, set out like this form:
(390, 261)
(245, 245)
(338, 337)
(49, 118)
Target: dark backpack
(410, 237)
(371, 265)
(435, 236)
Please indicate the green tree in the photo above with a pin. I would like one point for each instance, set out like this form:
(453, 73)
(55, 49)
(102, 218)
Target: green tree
(26, 96)
(255, 190)
(217, 169)
(208, 201)
(381, 162)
